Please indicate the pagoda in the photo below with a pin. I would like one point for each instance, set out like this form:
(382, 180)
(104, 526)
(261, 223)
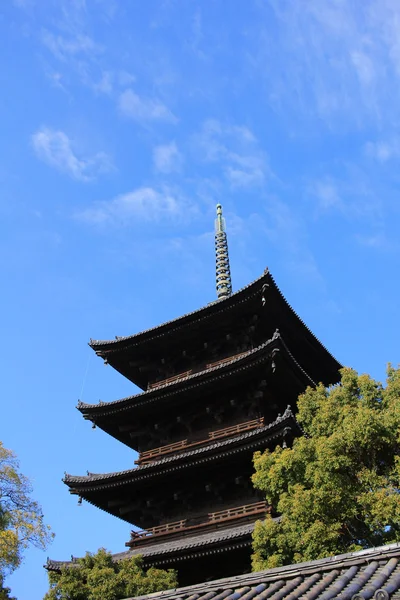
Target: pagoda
(217, 385)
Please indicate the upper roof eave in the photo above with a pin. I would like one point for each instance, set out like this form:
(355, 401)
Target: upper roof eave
(172, 387)
(220, 304)
(105, 347)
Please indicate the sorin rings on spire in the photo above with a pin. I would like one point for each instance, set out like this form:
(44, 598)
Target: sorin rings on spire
(223, 272)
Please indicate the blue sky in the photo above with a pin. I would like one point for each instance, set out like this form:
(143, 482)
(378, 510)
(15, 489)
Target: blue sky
(122, 125)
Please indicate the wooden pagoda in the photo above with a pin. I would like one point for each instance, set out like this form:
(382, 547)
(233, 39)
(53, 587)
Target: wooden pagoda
(218, 384)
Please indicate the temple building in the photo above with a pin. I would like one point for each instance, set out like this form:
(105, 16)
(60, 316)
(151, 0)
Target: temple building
(217, 384)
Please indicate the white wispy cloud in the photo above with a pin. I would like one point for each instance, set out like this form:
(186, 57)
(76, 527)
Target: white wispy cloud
(22, 3)
(144, 204)
(197, 35)
(245, 171)
(342, 61)
(364, 66)
(288, 230)
(144, 109)
(64, 47)
(57, 150)
(326, 193)
(377, 240)
(105, 84)
(236, 148)
(167, 158)
(383, 150)
(352, 196)
(74, 51)
(125, 78)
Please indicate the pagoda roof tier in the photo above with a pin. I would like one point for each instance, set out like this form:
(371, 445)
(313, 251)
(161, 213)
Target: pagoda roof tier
(104, 347)
(78, 483)
(98, 489)
(261, 298)
(179, 549)
(291, 380)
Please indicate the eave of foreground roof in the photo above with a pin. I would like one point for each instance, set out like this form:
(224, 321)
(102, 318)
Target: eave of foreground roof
(93, 481)
(244, 361)
(360, 575)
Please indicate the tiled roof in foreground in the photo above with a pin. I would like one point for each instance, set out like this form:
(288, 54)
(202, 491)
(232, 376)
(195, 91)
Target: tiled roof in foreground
(373, 573)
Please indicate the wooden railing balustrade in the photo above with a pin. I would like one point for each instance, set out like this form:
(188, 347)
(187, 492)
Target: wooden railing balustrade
(159, 529)
(157, 384)
(184, 445)
(216, 517)
(162, 450)
(240, 511)
(225, 360)
(179, 376)
(239, 428)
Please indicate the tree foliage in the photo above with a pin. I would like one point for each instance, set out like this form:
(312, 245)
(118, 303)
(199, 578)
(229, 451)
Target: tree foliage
(338, 488)
(98, 577)
(21, 519)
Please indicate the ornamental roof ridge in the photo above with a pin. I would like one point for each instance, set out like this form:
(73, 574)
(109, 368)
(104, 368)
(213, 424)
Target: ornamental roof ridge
(176, 458)
(295, 361)
(150, 394)
(223, 301)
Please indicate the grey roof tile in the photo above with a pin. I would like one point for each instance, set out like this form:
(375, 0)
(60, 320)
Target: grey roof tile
(358, 575)
(193, 541)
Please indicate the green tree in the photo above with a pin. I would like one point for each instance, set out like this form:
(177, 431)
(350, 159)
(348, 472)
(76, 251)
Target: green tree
(338, 488)
(98, 577)
(21, 519)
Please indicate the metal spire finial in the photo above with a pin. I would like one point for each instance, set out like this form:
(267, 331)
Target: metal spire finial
(223, 273)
